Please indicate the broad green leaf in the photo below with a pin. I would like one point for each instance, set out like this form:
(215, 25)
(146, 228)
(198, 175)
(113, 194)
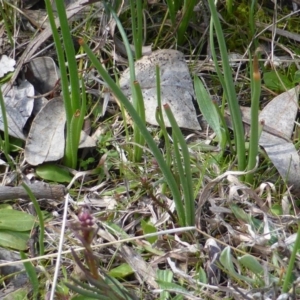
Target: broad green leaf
(207, 107)
(296, 78)
(241, 215)
(251, 263)
(121, 271)
(20, 294)
(276, 209)
(226, 261)
(256, 225)
(153, 250)
(172, 286)
(202, 276)
(14, 240)
(6, 78)
(122, 189)
(277, 82)
(149, 228)
(16, 220)
(113, 228)
(53, 173)
(5, 206)
(178, 297)
(164, 276)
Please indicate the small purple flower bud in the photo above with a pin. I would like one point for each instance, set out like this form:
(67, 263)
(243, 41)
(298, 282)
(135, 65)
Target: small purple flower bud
(85, 218)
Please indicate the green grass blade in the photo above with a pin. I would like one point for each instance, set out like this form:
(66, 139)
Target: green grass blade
(184, 169)
(5, 18)
(172, 11)
(252, 22)
(40, 217)
(254, 133)
(229, 6)
(178, 166)
(6, 146)
(161, 123)
(187, 14)
(70, 55)
(73, 132)
(68, 159)
(137, 99)
(229, 89)
(208, 109)
(31, 272)
(138, 137)
(86, 293)
(137, 26)
(287, 280)
(140, 123)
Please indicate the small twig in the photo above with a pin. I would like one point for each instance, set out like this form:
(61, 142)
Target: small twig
(149, 190)
(39, 190)
(56, 86)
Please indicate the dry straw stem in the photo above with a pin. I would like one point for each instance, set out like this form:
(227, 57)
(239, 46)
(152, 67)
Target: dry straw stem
(145, 236)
